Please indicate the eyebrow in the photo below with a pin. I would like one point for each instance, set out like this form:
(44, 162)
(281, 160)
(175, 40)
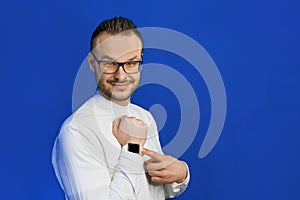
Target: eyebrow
(106, 57)
(133, 58)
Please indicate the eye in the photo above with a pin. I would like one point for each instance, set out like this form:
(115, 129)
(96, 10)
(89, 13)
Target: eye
(109, 64)
(132, 63)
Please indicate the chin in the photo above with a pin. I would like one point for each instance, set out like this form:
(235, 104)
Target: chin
(121, 97)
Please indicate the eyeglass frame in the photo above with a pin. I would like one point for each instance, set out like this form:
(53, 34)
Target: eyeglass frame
(120, 64)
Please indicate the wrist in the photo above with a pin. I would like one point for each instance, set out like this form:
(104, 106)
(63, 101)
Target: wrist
(185, 174)
(132, 147)
(133, 141)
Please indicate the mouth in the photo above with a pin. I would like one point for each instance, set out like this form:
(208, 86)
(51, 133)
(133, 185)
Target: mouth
(120, 85)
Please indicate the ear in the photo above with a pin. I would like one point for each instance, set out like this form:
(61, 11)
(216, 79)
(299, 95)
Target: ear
(91, 62)
(141, 68)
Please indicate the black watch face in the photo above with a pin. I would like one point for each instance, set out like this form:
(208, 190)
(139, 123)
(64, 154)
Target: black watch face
(135, 148)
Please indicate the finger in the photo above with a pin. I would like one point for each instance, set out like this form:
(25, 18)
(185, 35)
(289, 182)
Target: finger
(157, 173)
(151, 160)
(153, 154)
(140, 122)
(154, 166)
(114, 125)
(158, 179)
(116, 122)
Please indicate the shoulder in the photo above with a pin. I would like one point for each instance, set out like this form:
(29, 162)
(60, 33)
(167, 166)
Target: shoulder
(87, 112)
(91, 122)
(78, 133)
(81, 122)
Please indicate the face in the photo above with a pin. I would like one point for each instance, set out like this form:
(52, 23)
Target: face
(116, 87)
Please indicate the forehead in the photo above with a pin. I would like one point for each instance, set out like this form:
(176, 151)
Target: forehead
(116, 46)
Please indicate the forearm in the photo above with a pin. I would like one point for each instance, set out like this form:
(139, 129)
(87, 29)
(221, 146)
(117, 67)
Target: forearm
(83, 177)
(122, 186)
(126, 178)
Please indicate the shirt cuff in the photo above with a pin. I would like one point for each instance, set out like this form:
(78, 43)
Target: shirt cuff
(177, 187)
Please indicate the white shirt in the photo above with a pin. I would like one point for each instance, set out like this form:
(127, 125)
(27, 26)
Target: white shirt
(90, 164)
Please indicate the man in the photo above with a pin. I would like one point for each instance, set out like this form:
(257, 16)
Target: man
(109, 148)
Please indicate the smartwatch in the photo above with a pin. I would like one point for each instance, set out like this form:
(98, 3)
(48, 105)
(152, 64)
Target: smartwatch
(134, 148)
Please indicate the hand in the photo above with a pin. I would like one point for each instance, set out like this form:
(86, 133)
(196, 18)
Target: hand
(165, 169)
(130, 130)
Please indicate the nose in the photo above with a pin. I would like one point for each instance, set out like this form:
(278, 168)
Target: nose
(120, 75)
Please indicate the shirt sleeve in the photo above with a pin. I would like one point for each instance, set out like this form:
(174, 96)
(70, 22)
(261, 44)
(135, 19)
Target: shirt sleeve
(175, 189)
(84, 176)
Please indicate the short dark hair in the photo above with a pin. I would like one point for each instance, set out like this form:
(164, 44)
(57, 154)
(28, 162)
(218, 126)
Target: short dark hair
(114, 26)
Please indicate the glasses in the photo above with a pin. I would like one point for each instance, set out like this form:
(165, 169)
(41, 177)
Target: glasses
(111, 67)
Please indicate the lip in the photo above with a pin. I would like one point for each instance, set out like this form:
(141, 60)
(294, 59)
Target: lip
(120, 86)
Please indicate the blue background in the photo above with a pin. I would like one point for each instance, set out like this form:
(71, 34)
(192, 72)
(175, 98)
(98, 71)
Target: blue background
(255, 45)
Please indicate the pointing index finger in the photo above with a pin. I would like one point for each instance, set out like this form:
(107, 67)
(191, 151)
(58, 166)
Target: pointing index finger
(153, 154)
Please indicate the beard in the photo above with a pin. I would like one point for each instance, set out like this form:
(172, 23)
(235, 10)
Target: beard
(118, 95)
